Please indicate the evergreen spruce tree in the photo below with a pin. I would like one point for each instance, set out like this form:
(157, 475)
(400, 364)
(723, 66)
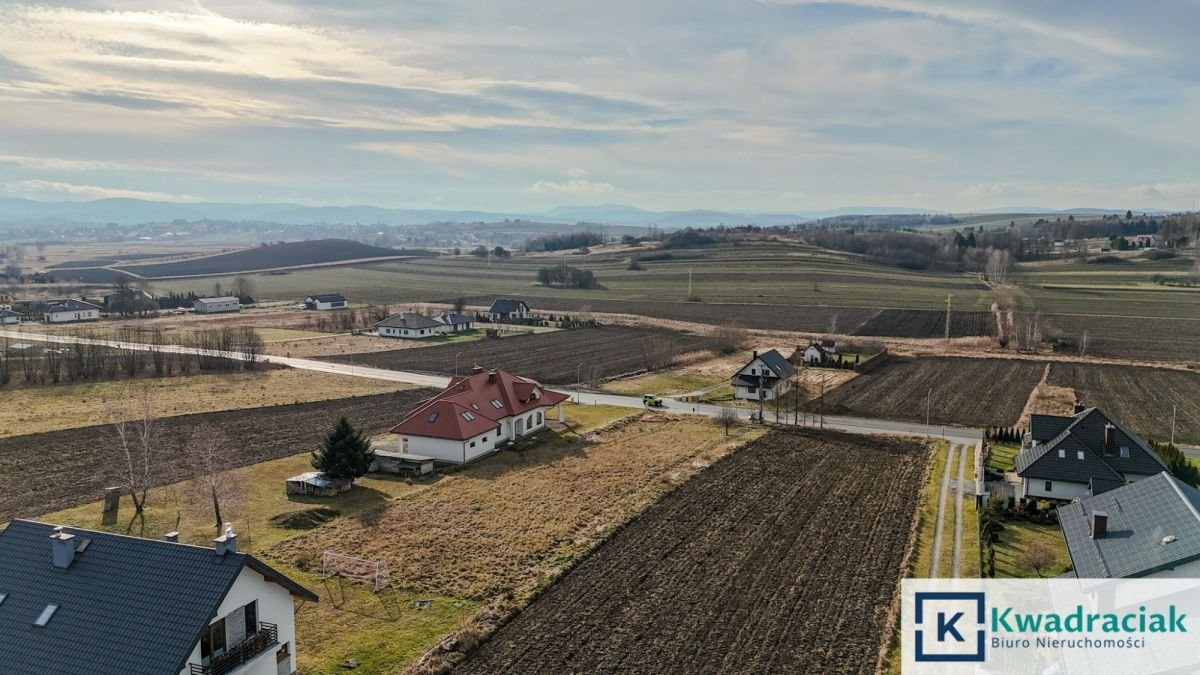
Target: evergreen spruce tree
(344, 453)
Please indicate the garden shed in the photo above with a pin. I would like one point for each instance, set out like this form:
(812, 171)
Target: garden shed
(317, 484)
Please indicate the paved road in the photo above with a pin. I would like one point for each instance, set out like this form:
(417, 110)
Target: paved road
(840, 423)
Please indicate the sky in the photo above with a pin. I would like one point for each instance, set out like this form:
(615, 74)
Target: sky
(764, 105)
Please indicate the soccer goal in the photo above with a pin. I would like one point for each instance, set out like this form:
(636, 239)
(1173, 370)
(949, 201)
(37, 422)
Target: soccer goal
(373, 573)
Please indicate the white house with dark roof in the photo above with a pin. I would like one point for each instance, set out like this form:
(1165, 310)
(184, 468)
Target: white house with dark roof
(326, 301)
(79, 602)
(410, 325)
(1147, 529)
(9, 317)
(508, 309)
(820, 352)
(1067, 457)
(765, 377)
(228, 303)
(70, 311)
(455, 322)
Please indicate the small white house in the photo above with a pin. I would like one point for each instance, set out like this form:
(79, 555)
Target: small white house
(70, 311)
(477, 415)
(326, 301)
(411, 326)
(508, 309)
(764, 378)
(227, 303)
(819, 352)
(455, 322)
(9, 317)
(78, 601)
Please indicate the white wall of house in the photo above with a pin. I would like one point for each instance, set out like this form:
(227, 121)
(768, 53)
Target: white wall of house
(813, 355)
(341, 304)
(9, 320)
(1059, 489)
(275, 606)
(460, 452)
(217, 307)
(752, 370)
(410, 333)
(68, 317)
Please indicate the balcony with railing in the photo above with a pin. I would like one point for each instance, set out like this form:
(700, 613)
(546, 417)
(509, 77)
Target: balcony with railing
(266, 637)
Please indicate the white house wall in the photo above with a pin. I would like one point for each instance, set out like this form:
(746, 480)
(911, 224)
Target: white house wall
(275, 606)
(1034, 487)
(68, 317)
(459, 452)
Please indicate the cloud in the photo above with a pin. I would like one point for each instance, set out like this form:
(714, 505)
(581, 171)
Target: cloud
(573, 187)
(41, 189)
(576, 172)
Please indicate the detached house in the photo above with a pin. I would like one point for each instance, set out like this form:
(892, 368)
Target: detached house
(77, 602)
(508, 309)
(326, 301)
(1150, 528)
(228, 303)
(820, 352)
(455, 322)
(1065, 457)
(409, 325)
(476, 415)
(9, 317)
(71, 310)
(765, 377)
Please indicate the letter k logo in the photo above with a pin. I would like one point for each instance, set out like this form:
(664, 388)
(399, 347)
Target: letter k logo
(944, 627)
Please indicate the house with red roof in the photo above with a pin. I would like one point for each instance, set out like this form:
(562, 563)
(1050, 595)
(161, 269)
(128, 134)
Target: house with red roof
(477, 415)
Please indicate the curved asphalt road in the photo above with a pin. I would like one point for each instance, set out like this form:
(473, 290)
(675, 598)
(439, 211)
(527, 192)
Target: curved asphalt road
(858, 425)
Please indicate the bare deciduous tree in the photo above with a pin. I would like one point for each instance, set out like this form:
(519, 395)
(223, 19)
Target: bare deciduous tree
(727, 417)
(1036, 557)
(133, 454)
(210, 457)
(729, 338)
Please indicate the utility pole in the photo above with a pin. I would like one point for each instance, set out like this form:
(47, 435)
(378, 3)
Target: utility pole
(928, 395)
(760, 394)
(689, 295)
(949, 298)
(1174, 409)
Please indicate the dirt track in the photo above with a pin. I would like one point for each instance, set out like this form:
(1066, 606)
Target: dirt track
(781, 558)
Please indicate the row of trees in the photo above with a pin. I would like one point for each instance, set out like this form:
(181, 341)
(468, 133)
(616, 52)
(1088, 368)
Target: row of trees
(563, 242)
(90, 359)
(566, 276)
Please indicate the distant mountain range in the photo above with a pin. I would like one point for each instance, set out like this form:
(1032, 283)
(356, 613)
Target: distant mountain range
(1083, 211)
(138, 211)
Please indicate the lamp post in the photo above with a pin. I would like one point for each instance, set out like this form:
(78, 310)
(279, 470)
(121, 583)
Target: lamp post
(456, 363)
(928, 395)
(578, 380)
(1174, 409)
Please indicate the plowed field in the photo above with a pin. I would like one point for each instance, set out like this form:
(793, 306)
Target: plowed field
(782, 558)
(1141, 398)
(922, 323)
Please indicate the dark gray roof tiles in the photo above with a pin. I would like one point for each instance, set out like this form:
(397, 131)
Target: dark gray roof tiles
(410, 321)
(125, 605)
(1141, 516)
(328, 297)
(71, 305)
(1046, 427)
(506, 305)
(1086, 432)
(777, 363)
(453, 318)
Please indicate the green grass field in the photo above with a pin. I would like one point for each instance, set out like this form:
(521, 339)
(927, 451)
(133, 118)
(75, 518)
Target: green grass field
(1121, 289)
(1018, 536)
(1003, 456)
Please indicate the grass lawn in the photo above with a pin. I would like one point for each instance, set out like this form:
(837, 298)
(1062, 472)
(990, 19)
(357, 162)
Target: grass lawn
(1003, 456)
(1194, 461)
(496, 532)
(667, 383)
(969, 565)
(1018, 536)
(29, 410)
(922, 556)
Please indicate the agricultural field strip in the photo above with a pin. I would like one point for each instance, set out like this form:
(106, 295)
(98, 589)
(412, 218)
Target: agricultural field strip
(733, 571)
(939, 525)
(852, 424)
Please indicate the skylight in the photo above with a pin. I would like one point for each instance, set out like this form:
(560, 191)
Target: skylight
(2, 597)
(497, 404)
(44, 617)
(433, 416)
(468, 416)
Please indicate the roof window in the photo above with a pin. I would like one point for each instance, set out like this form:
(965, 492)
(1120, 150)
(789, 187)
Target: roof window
(468, 416)
(497, 404)
(433, 416)
(44, 617)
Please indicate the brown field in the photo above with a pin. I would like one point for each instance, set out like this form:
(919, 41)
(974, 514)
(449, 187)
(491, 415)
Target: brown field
(969, 391)
(796, 318)
(33, 410)
(59, 469)
(502, 528)
(924, 323)
(1142, 339)
(1141, 398)
(784, 557)
(553, 358)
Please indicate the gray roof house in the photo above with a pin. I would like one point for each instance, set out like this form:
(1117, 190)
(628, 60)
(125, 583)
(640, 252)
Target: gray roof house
(454, 319)
(764, 377)
(508, 308)
(409, 325)
(1145, 529)
(1067, 457)
(76, 601)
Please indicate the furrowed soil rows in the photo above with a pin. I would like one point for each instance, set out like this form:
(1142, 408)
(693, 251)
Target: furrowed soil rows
(553, 358)
(960, 390)
(59, 469)
(1120, 337)
(1141, 398)
(783, 557)
(922, 323)
(799, 318)
(321, 251)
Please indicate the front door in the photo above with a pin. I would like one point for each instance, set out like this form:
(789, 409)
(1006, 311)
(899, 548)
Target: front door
(520, 426)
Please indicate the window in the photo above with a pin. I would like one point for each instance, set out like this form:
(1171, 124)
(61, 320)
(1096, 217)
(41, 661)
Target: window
(1062, 453)
(484, 440)
(433, 416)
(472, 444)
(497, 404)
(468, 416)
(1080, 454)
(754, 371)
(539, 418)
(251, 615)
(1125, 451)
(1049, 485)
(529, 421)
(44, 617)
(751, 390)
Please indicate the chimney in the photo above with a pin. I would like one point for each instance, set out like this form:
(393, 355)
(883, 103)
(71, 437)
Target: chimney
(1110, 437)
(492, 376)
(63, 545)
(172, 537)
(1079, 407)
(1099, 524)
(754, 355)
(477, 370)
(226, 543)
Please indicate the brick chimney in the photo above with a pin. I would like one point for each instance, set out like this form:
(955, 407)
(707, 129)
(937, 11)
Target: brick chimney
(754, 355)
(1079, 407)
(1110, 438)
(226, 543)
(476, 370)
(1099, 524)
(492, 376)
(63, 547)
